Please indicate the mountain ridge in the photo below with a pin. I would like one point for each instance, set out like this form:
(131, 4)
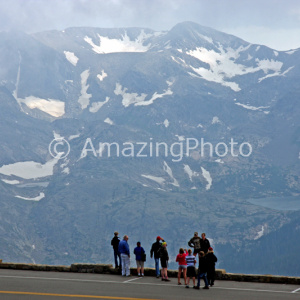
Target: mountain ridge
(155, 90)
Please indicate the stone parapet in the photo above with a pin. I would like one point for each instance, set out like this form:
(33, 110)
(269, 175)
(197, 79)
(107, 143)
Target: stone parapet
(108, 269)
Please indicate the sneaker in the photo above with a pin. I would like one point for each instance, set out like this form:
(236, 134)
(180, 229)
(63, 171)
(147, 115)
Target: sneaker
(187, 287)
(196, 287)
(162, 279)
(157, 276)
(167, 279)
(206, 287)
(142, 275)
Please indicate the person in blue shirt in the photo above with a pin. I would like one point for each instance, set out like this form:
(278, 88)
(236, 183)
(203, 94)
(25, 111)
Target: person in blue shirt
(125, 256)
(139, 253)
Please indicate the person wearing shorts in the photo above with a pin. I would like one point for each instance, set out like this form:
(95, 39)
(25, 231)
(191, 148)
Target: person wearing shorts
(164, 258)
(182, 266)
(139, 251)
(191, 271)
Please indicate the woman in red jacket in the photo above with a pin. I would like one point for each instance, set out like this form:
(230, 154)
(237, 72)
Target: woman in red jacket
(182, 265)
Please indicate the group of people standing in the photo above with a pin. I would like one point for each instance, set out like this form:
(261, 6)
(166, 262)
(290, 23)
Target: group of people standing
(186, 259)
(122, 252)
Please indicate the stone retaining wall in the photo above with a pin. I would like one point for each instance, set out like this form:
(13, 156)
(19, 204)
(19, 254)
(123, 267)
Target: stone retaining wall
(108, 269)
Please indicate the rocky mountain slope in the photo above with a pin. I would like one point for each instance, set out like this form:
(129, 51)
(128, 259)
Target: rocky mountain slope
(203, 130)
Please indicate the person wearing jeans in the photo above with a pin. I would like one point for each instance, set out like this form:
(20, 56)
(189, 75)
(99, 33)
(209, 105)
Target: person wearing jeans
(125, 256)
(202, 271)
(157, 271)
(155, 249)
(115, 243)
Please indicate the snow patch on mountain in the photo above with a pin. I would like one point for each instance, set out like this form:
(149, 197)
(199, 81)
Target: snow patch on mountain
(13, 182)
(55, 108)
(84, 99)
(169, 82)
(260, 233)
(181, 138)
(71, 57)
(187, 169)
(57, 136)
(102, 75)
(29, 169)
(166, 123)
(108, 45)
(38, 198)
(275, 74)
(215, 120)
(182, 62)
(223, 66)
(219, 160)
(95, 106)
(128, 98)
(159, 180)
(290, 52)
(260, 108)
(207, 177)
(109, 121)
(168, 170)
(66, 171)
(206, 38)
(154, 97)
(135, 98)
(74, 136)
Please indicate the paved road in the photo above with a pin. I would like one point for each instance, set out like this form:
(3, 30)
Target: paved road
(31, 285)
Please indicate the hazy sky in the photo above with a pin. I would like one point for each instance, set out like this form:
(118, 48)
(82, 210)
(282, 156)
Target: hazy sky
(275, 23)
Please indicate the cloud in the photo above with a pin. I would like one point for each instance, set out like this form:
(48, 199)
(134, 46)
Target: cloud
(295, 12)
(272, 17)
(279, 39)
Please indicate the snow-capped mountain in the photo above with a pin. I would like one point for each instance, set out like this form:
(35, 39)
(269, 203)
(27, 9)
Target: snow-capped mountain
(161, 99)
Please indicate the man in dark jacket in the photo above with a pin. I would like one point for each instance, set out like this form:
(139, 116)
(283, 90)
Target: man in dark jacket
(211, 265)
(115, 243)
(195, 243)
(204, 243)
(155, 249)
(202, 270)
